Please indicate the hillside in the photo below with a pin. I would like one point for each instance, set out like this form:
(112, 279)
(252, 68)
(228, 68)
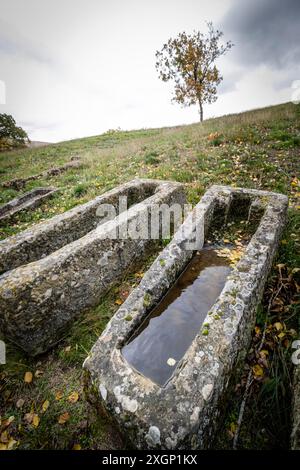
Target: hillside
(256, 149)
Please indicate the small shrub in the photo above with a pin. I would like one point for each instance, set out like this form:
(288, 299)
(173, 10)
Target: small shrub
(151, 158)
(80, 190)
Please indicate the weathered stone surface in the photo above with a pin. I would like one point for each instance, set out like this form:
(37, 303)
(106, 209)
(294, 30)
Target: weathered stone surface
(39, 301)
(27, 201)
(295, 437)
(48, 236)
(184, 412)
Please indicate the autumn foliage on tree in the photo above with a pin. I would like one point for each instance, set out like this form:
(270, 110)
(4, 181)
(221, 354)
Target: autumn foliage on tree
(189, 60)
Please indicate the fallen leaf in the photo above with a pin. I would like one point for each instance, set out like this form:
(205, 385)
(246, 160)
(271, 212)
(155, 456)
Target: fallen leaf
(11, 444)
(4, 437)
(257, 370)
(118, 302)
(257, 330)
(278, 326)
(36, 420)
(59, 395)
(68, 349)
(28, 377)
(73, 398)
(3, 446)
(264, 353)
(6, 422)
(139, 274)
(45, 405)
(76, 447)
(62, 419)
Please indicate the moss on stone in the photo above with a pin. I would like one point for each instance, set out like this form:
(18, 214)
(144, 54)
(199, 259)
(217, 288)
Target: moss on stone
(147, 300)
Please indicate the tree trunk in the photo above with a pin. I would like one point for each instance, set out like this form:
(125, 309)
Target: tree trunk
(201, 110)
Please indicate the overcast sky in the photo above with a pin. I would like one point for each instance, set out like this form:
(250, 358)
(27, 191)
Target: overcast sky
(74, 68)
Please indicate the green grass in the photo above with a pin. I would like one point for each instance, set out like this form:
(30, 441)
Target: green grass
(257, 149)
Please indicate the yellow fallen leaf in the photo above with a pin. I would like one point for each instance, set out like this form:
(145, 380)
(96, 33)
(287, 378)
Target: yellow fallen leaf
(36, 420)
(62, 419)
(28, 377)
(278, 326)
(139, 274)
(257, 330)
(11, 444)
(76, 447)
(4, 437)
(45, 405)
(59, 395)
(257, 370)
(118, 302)
(73, 398)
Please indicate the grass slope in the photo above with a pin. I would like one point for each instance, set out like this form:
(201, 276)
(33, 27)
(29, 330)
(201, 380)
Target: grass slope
(257, 149)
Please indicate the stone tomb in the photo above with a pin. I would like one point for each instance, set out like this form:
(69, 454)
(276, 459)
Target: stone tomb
(27, 201)
(182, 411)
(58, 268)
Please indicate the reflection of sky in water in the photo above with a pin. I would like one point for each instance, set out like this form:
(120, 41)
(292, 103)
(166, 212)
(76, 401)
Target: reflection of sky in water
(174, 323)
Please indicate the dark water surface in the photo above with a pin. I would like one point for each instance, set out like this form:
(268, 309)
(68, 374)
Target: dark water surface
(168, 331)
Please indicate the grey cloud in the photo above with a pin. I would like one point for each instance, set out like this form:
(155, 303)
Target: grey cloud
(230, 80)
(264, 31)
